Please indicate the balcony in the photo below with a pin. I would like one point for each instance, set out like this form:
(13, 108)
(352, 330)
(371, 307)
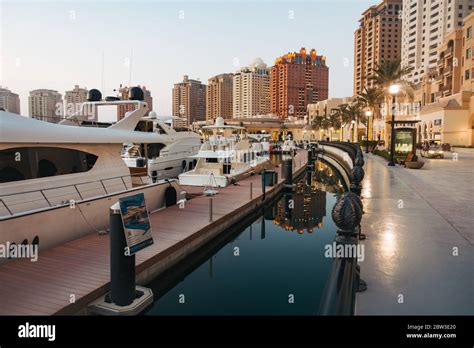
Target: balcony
(448, 71)
(449, 52)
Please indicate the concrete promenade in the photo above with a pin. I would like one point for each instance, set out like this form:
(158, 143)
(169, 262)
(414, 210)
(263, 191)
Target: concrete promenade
(419, 253)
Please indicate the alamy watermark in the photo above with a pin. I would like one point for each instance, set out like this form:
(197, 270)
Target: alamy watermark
(19, 251)
(336, 250)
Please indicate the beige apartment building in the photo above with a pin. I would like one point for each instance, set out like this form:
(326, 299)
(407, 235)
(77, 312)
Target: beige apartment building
(219, 96)
(467, 60)
(251, 90)
(46, 105)
(446, 93)
(189, 102)
(9, 101)
(378, 39)
(426, 23)
(73, 99)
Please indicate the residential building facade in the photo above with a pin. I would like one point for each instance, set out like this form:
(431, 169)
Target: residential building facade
(219, 96)
(296, 80)
(425, 26)
(377, 40)
(46, 105)
(189, 101)
(9, 101)
(446, 93)
(251, 90)
(73, 99)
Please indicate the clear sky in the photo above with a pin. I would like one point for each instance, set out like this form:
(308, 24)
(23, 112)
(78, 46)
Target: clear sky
(58, 44)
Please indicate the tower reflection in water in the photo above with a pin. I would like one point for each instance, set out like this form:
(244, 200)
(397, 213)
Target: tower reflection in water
(303, 209)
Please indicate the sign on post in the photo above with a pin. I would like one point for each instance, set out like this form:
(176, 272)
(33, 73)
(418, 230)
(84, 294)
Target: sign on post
(136, 224)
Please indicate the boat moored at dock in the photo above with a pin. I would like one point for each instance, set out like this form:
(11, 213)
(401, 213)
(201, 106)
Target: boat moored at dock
(224, 158)
(57, 181)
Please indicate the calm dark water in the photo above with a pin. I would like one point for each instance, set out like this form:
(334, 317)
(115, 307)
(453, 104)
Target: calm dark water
(273, 264)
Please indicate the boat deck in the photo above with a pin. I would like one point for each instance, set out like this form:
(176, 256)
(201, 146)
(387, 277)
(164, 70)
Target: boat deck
(66, 278)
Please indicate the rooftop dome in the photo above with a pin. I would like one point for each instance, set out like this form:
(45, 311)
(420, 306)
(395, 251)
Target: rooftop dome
(219, 122)
(258, 62)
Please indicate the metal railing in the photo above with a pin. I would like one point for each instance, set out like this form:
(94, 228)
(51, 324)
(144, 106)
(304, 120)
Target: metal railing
(339, 297)
(80, 193)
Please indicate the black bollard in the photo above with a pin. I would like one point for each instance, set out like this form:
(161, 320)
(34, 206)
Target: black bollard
(310, 164)
(288, 167)
(122, 267)
(309, 179)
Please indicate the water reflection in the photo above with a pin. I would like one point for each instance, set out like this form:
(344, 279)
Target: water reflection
(252, 269)
(303, 209)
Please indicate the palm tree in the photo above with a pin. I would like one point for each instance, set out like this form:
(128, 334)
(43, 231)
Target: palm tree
(370, 99)
(333, 121)
(346, 114)
(317, 124)
(349, 113)
(390, 72)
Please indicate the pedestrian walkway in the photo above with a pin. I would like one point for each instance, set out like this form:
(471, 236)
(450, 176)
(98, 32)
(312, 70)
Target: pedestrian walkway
(418, 259)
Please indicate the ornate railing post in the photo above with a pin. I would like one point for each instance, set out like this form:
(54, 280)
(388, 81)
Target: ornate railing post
(344, 280)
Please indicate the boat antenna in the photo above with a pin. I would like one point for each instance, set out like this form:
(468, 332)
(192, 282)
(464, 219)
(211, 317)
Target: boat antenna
(130, 69)
(103, 72)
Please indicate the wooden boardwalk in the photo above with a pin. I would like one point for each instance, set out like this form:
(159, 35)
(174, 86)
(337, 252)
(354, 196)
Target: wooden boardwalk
(66, 278)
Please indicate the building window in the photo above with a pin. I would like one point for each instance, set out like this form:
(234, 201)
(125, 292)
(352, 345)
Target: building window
(468, 53)
(469, 32)
(467, 75)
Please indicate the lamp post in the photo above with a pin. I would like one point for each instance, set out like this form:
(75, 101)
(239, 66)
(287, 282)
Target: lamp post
(393, 89)
(330, 133)
(368, 113)
(353, 130)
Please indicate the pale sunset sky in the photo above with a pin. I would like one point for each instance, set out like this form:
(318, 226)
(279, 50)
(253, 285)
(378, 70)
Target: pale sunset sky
(59, 44)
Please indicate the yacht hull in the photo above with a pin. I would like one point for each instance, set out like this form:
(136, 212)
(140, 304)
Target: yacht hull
(193, 178)
(162, 169)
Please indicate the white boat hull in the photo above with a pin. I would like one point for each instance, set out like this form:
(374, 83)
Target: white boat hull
(162, 169)
(192, 178)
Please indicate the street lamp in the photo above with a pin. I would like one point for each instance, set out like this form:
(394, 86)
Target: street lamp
(330, 133)
(353, 130)
(368, 113)
(393, 89)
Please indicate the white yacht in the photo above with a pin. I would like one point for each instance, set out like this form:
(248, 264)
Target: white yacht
(169, 157)
(57, 182)
(224, 158)
(164, 159)
(261, 142)
(289, 146)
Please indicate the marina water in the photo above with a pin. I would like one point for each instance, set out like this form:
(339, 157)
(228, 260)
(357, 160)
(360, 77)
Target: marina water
(273, 264)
